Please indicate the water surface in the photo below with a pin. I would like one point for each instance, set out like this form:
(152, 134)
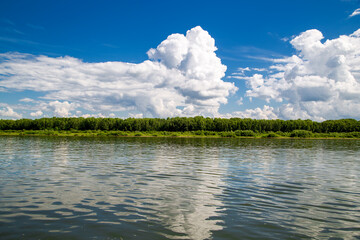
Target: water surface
(176, 188)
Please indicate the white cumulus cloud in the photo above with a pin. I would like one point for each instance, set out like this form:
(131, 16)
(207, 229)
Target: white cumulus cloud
(266, 112)
(322, 81)
(62, 109)
(9, 112)
(36, 114)
(182, 77)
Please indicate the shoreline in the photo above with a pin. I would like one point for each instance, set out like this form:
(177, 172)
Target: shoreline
(167, 134)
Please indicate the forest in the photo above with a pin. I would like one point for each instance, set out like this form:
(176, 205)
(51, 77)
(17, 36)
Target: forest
(182, 124)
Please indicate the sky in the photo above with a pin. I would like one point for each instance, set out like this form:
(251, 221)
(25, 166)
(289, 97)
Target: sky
(260, 59)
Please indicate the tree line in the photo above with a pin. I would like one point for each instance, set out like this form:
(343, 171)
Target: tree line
(181, 124)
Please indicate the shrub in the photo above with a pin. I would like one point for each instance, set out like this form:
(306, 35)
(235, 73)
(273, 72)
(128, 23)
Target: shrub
(271, 135)
(29, 132)
(353, 135)
(334, 134)
(74, 130)
(244, 133)
(209, 133)
(113, 134)
(227, 134)
(283, 134)
(301, 134)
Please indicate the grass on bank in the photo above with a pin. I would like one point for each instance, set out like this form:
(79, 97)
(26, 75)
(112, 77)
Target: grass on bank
(210, 134)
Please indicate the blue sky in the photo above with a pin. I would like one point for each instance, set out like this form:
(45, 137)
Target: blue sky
(255, 36)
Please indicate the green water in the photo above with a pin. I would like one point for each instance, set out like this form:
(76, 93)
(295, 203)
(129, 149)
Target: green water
(175, 188)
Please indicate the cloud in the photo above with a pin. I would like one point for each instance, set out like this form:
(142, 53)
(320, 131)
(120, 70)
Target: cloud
(240, 101)
(266, 112)
(9, 112)
(99, 115)
(26, 100)
(62, 109)
(139, 115)
(8, 21)
(14, 30)
(182, 77)
(18, 40)
(322, 81)
(240, 71)
(36, 114)
(356, 12)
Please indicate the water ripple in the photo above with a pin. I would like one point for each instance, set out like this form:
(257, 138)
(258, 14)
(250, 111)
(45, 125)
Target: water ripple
(154, 188)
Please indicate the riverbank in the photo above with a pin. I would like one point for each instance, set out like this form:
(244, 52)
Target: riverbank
(188, 134)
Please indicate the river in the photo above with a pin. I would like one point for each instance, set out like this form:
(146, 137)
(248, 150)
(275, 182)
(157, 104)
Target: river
(178, 188)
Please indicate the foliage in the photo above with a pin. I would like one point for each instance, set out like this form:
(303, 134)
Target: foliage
(271, 135)
(227, 134)
(241, 127)
(301, 134)
(352, 135)
(244, 133)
